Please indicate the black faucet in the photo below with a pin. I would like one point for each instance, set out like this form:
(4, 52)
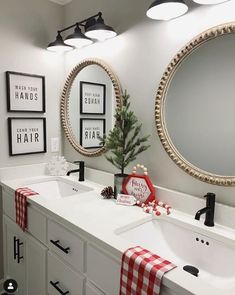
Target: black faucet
(81, 170)
(209, 210)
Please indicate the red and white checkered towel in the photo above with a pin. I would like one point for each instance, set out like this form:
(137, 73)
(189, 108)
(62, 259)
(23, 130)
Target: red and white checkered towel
(142, 271)
(21, 195)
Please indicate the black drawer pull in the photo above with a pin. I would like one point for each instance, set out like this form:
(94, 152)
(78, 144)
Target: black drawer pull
(17, 245)
(55, 285)
(56, 243)
(15, 253)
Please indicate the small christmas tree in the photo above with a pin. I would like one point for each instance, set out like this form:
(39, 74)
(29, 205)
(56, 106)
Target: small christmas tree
(123, 140)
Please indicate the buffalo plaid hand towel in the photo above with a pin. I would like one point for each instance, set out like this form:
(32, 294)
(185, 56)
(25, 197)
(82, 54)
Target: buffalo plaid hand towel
(142, 271)
(21, 195)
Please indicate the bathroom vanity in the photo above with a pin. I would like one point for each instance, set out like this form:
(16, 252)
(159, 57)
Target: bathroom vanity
(75, 240)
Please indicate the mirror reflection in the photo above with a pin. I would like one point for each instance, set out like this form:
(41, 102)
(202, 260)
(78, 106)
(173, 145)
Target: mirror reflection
(91, 106)
(90, 96)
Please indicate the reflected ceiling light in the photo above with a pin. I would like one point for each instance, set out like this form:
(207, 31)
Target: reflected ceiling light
(209, 2)
(77, 39)
(93, 27)
(58, 45)
(167, 9)
(97, 29)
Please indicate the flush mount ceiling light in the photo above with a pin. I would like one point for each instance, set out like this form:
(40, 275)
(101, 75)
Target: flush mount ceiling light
(97, 29)
(166, 9)
(94, 28)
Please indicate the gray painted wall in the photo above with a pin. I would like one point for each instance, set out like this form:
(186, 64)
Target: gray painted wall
(139, 56)
(26, 27)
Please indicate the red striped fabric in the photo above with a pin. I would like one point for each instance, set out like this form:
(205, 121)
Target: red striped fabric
(142, 272)
(21, 195)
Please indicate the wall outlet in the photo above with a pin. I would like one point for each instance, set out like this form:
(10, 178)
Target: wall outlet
(55, 144)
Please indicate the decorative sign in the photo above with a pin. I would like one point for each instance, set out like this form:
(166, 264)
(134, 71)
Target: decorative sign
(91, 130)
(25, 92)
(125, 200)
(140, 187)
(27, 136)
(92, 98)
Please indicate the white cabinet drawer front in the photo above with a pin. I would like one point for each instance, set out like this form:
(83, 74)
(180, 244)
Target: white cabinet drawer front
(67, 245)
(91, 290)
(36, 220)
(62, 279)
(103, 271)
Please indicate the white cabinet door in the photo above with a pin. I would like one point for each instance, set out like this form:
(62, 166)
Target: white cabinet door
(36, 259)
(14, 252)
(103, 271)
(25, 260)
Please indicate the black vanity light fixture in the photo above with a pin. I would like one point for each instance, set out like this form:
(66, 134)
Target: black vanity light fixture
(93, 27)
(166, 9)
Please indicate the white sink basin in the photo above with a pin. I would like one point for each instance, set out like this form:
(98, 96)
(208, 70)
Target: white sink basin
(57, 188)
(185, 245)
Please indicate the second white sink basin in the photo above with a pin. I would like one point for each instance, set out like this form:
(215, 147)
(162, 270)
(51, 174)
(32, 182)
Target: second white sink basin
(57, 188)
(183, 245)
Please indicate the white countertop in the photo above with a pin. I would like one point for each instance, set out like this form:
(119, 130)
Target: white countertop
(97, 219)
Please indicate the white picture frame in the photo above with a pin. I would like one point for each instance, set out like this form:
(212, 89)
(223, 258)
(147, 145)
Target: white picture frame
(27, 136)
(92, 98)
(91, 132)
(25, 92)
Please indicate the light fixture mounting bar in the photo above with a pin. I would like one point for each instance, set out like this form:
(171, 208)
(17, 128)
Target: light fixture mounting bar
(80, 23)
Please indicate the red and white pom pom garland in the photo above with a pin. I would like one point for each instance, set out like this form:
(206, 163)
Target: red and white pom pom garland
(153, 207)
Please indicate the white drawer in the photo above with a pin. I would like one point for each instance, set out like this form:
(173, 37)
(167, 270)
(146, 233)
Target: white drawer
(36, 220)
(63, 278)
(103, 271)
(67, 245)
(92, 290)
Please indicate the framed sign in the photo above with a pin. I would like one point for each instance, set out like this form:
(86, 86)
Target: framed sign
(91, 130)
(27, 136)
(139, 186)
(25, 92)
(92, 98)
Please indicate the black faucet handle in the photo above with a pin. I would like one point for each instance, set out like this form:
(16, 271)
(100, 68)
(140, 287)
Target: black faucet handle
(210, 196)
(210, 200)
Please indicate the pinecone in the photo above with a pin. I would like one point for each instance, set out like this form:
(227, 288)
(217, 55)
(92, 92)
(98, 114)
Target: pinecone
(107, 192)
